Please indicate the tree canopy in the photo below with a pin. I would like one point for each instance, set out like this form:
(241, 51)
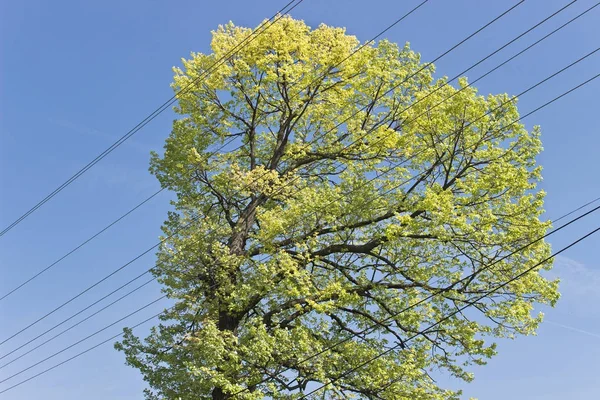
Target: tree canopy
(355, 185)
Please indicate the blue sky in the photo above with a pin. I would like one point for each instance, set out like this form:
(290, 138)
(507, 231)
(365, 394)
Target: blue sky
(76, 75)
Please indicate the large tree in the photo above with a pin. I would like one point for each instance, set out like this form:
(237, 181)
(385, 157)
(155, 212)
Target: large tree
(356, 185)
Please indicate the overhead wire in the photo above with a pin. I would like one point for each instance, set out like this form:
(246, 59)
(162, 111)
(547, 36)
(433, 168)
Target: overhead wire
(72, 326)
(85, 338)
(78, 246)
(96, 284)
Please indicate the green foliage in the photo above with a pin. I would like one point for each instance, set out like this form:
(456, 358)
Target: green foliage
(305, 235)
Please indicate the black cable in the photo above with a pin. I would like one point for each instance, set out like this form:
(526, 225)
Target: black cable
(504, 62)
(366, 330)
(74, 325)
(494, 69)
(469, 303)
(100, 281)
(83, 320)
(84, 339)
(93, 334)
(489, 72)
(211, 153)
(577, 209)
(80, 354)
(151, 116)
(79, 312)
(80, 245)
(492, 110)
(480, 61)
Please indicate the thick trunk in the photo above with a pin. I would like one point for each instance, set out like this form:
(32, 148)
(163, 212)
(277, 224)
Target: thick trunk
(227, 322)
(217, 394)
(237, 244)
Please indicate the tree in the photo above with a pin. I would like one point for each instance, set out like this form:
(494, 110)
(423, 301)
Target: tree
(361, 185)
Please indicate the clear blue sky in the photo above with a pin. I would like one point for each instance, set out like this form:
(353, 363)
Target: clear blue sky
(76, 75)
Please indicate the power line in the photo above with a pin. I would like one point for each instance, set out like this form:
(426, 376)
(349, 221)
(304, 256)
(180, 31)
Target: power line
(577, 209)
(85, 338)
(100, 281)
(154, 114)
(80, 354)
(515, 97)
(80, 245)
(72, 326)
(366, 330)
(496, 108)
(80, 322)
(338, 343)
(397, 21)
(469, 303)
(504, 62)
(80, 312)
(494, 69)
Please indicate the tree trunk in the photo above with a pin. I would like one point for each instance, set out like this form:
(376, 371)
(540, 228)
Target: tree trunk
(217, 394)
(237, 243)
